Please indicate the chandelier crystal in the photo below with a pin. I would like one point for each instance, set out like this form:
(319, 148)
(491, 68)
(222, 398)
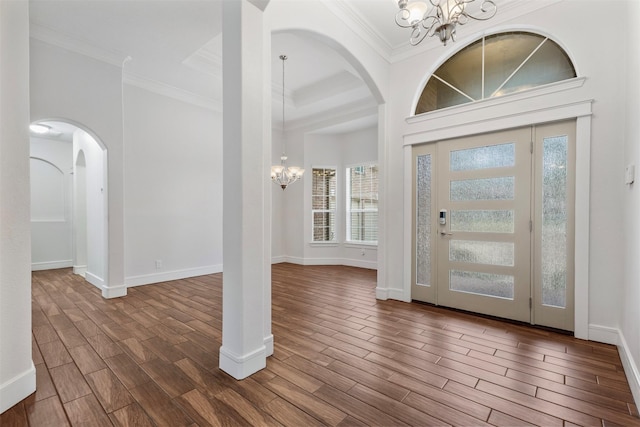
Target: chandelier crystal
(282, 174)
(439, 17)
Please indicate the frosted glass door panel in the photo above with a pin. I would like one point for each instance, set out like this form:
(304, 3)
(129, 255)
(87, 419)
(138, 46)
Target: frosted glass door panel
(483, 221)
(501, 188)
(554, 221)
(491, 253)
(493, 285)
(554, 226)
(423, 220)
(488, 157)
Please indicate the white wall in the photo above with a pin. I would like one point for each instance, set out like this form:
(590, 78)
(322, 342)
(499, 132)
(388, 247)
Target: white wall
(17, 372)
(51, 196)
(167, 163)
(86, 92)
(630, 314)
(173, 194)
(96, 199)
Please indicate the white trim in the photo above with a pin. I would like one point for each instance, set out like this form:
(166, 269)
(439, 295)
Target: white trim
(169, 91)
(361, 245)
(268, 345)
(278, 259)
(372, 265)
(349, 262)
(241, 366)
(72, 44)
(630, 367)
(94, 280)
(361, 26)
(603, 334)
(17, 388)
(165, 276)
(581, 227)
(114, 291)
(391, 293)
(508, 99)
(80, 270)
(407, 231)
(321, 244)
(51, 265)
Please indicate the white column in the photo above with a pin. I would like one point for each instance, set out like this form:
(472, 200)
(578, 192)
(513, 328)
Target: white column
(17, 373)
(246, 243)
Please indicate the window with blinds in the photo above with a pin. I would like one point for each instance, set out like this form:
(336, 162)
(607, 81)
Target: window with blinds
(362, 204)
(323, 204)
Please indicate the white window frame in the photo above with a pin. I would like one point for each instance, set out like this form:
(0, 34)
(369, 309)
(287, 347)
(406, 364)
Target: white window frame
(334, 240)
(348, 210)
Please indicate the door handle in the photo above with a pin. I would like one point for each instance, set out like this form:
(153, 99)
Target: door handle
(444, 233)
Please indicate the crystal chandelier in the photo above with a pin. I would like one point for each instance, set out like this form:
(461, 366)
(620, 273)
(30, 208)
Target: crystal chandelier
(431, 17)
(281, 174)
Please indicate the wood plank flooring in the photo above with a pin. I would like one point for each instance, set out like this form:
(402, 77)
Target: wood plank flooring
(341, 358)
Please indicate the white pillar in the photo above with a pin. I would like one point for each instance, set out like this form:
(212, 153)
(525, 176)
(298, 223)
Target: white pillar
(17, 373)
(246, 243)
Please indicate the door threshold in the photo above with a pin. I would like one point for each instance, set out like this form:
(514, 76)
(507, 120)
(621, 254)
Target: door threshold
(496, 318)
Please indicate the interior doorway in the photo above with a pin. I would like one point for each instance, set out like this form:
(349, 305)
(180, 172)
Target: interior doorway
(493, 224)
(80, 206)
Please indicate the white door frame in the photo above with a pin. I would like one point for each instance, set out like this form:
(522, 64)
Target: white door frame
(545, 104)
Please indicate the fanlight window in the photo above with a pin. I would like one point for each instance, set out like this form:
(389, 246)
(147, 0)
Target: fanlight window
(493, 66)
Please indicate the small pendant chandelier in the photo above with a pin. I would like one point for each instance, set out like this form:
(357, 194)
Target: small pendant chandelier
(282, 174)
(439, 17)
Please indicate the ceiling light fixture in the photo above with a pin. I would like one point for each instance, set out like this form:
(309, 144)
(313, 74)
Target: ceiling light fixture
(39, 128)
(442, 19)
(281, 174)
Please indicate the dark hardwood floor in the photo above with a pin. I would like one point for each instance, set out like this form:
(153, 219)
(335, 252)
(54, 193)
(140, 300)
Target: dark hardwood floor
(341, 358)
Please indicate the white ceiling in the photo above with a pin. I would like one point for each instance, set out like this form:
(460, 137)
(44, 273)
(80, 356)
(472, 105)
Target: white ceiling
(175, 48)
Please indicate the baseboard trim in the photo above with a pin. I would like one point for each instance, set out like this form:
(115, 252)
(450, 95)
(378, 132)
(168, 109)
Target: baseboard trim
(349, 262)
(17, 388)
(147, 279)
(604, 334)
(80, 270)
(391, 293)
(268, 345)
(630, 368)
(94, 280)
(241, 366)
(51, 265)
(114, 291)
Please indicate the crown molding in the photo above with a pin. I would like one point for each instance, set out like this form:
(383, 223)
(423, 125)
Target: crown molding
(208, 58)
(172, 92)
(73, 44)
(361, 26)
(333, 117)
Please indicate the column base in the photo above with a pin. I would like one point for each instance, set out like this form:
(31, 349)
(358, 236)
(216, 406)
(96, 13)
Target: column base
(241, 366)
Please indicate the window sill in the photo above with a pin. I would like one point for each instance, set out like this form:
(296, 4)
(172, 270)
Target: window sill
(323, 244)
(370, 245)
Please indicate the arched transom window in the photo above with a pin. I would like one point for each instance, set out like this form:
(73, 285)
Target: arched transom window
(493, 66)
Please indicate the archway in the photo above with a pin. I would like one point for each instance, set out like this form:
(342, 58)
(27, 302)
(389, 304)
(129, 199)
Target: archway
(344, 133)
(83, 222)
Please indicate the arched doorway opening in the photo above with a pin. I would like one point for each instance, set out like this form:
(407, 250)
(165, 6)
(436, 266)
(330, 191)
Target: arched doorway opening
(332, 130)
(69, 200)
